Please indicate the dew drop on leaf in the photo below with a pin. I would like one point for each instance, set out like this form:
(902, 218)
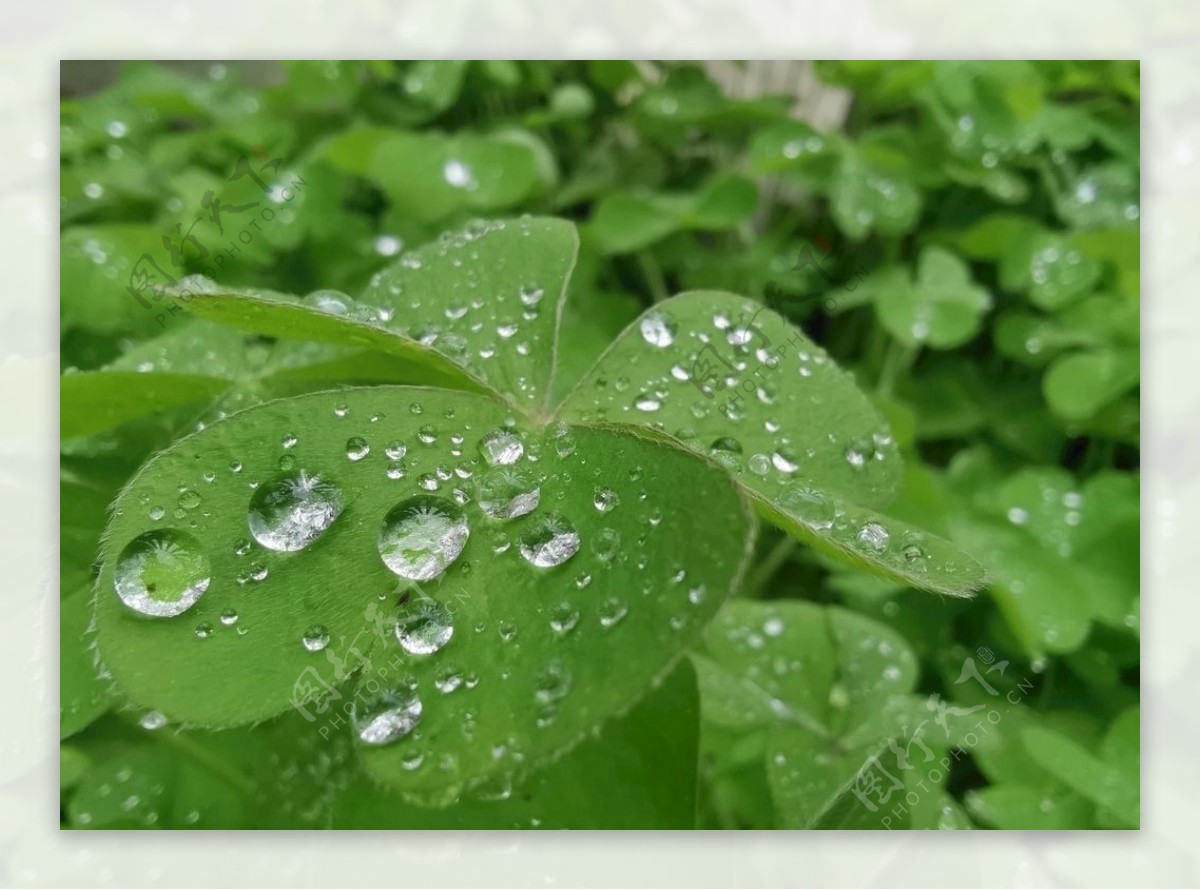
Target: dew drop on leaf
(357, 448)
(507, 492)
(422, 536)
(293, 510)
(315, 639)
(501, 447)
(386, 718)
(425, 627)
(161, 573)
(873, 536)
(550, 542)
(658, 330)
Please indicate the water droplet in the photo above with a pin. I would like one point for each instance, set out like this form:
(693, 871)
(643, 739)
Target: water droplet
(157, 513)
(152, 720)
(784, 462)
(386, 718)
(229, 618)
(658, 329)
(507, 492)
(612, 611)
(913, 553)
(564, 619)
(501, 447)
(316, 638)
(606, 500)
(550, 542)
(293, 510)
(873, 536)
(553, 683)
(329, 301)
(396, 450)
(161, 573)
(448, 680)
(809, 505)
(422, 536)
(188, 499)
(424, 627)
(606, 544)
(204, 630)
(648, 403)
(357, 448)
(289, 441)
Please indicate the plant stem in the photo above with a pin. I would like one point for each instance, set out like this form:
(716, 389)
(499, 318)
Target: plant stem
(769, 565)
(653, 275)
(896, 361)
(205, 758)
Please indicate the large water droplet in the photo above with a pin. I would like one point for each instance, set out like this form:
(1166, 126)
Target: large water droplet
(386, 718)
(422, 536)
(425, 627)
(293, 510)
(550, 542)
(161, 573)
(507, 492)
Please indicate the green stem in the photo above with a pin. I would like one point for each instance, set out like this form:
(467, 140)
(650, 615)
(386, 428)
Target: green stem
(205, 758)
(769, 565)
(653, 275)
(896, 361)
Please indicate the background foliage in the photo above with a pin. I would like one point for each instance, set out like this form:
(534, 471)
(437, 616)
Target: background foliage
(966, 243)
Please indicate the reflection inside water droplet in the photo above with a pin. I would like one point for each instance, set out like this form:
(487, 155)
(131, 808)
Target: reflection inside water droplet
(293, 510)
(161, 573)
(422, 536)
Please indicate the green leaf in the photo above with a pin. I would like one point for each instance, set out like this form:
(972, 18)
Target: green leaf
(540, 690)
(627, 221)
(1110, 780)
(795, 430)
(942, 309)
(830, 688)
(478, 310)
(1080, 384)
(1051, 270)
(867, 196)
(1020, 808)
(650, 753)
(83, 695)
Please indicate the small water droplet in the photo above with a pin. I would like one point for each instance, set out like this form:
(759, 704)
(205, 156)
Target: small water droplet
(873, 536)
(564, 619)
(229, 618)
(357, 448)
(316, 638)
(606, 544)
(605, 500)
(553, 683)
(612, 611)
(188, 499)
